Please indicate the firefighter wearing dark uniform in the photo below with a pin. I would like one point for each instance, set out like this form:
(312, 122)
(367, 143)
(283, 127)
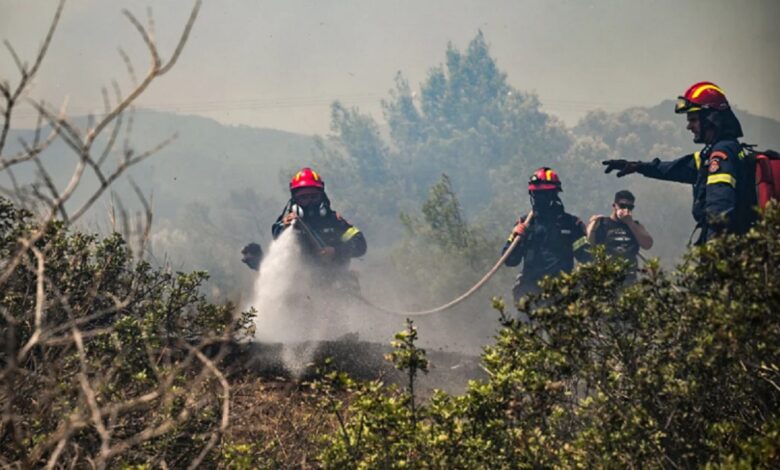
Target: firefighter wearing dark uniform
(550, 240)
(329, 240)
(723, 196)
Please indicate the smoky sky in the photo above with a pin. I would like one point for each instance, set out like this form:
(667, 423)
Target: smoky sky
(279, 64)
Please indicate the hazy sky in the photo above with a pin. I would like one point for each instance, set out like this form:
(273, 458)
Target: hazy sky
(279, 64)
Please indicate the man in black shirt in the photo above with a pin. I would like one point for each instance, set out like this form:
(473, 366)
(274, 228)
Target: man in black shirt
(621, 235)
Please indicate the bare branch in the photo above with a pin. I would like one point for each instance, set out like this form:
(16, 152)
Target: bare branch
(183, 40)
(58, 313)
(37, 146)
(11, 98)
(147, 39)
(147, 226)
(111, 140)
(113, 176)
(112, 212)
(47, 181)
(156, 70)
(150, 21)
(89, 394)
(55, 456)
(39, 303)
(129, 66)
(125, 231)
(22, 68)
(72, 136)
(126, 150)
(47, 40)
(225, 421)
(17, 191)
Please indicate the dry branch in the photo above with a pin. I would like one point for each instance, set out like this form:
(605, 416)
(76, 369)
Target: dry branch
(62, 339)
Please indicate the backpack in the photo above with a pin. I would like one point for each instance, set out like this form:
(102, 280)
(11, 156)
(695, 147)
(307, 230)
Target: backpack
(764, 165)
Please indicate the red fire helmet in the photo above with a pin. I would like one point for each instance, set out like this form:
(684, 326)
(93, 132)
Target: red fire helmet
(702, 95)
(306, 178)
(544, 179)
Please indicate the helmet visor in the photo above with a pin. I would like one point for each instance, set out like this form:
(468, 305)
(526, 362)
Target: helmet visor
(684, 106)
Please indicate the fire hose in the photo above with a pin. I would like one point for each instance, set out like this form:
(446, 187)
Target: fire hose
(473, 290)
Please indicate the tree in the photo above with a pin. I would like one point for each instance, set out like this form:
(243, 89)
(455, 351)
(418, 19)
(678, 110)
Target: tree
(443, 254)
(468, 122)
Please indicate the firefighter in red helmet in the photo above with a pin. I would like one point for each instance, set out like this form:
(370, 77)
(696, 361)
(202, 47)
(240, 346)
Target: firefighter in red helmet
(550, 239)
(330, 240)
(723, 198)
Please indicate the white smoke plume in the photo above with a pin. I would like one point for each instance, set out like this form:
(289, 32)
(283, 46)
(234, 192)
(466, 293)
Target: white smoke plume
(295, 307)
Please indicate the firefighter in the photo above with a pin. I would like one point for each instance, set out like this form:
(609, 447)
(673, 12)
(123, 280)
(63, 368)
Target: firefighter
(621, 235)
(329, 240)
(723, 198)
(550, 240)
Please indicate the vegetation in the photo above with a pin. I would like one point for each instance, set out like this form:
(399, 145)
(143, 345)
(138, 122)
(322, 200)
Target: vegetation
(109, 361)
(680, 369)
(104, 358)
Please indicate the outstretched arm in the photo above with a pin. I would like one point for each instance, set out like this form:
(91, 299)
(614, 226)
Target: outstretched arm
(681, 170)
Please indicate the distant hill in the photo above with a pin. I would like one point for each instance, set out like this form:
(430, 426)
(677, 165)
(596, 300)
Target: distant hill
(206, 161)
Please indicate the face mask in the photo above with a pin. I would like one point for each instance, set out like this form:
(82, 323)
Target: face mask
(311, 211)
(545, 201)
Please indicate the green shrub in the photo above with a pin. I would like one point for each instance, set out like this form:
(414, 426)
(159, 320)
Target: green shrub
(105, 359)
(680, 369)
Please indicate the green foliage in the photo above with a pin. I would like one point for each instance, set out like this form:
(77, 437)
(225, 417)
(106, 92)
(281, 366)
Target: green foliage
(441, 241)
(104, 357)
(406, 356)
(467, 122)
(680, 369)
(382, 426)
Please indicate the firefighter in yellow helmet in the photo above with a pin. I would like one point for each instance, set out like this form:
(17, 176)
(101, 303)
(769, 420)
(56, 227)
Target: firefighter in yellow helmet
(723, 192)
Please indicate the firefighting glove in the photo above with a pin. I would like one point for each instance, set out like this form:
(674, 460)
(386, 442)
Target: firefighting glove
(519, 229)
(624, 167)
(252, 255)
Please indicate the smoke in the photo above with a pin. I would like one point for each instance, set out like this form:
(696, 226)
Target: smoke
(301, 305)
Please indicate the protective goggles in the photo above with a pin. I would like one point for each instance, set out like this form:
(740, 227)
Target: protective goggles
(685, 106)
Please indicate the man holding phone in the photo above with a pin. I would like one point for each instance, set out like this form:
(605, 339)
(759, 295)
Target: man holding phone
(621, 235)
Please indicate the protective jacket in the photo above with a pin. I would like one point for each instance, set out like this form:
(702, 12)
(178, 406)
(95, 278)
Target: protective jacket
(723, 192)
(332, 230)
(549, 246)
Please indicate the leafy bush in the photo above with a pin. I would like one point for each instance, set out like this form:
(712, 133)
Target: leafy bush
(105, 359)
(680, 369)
